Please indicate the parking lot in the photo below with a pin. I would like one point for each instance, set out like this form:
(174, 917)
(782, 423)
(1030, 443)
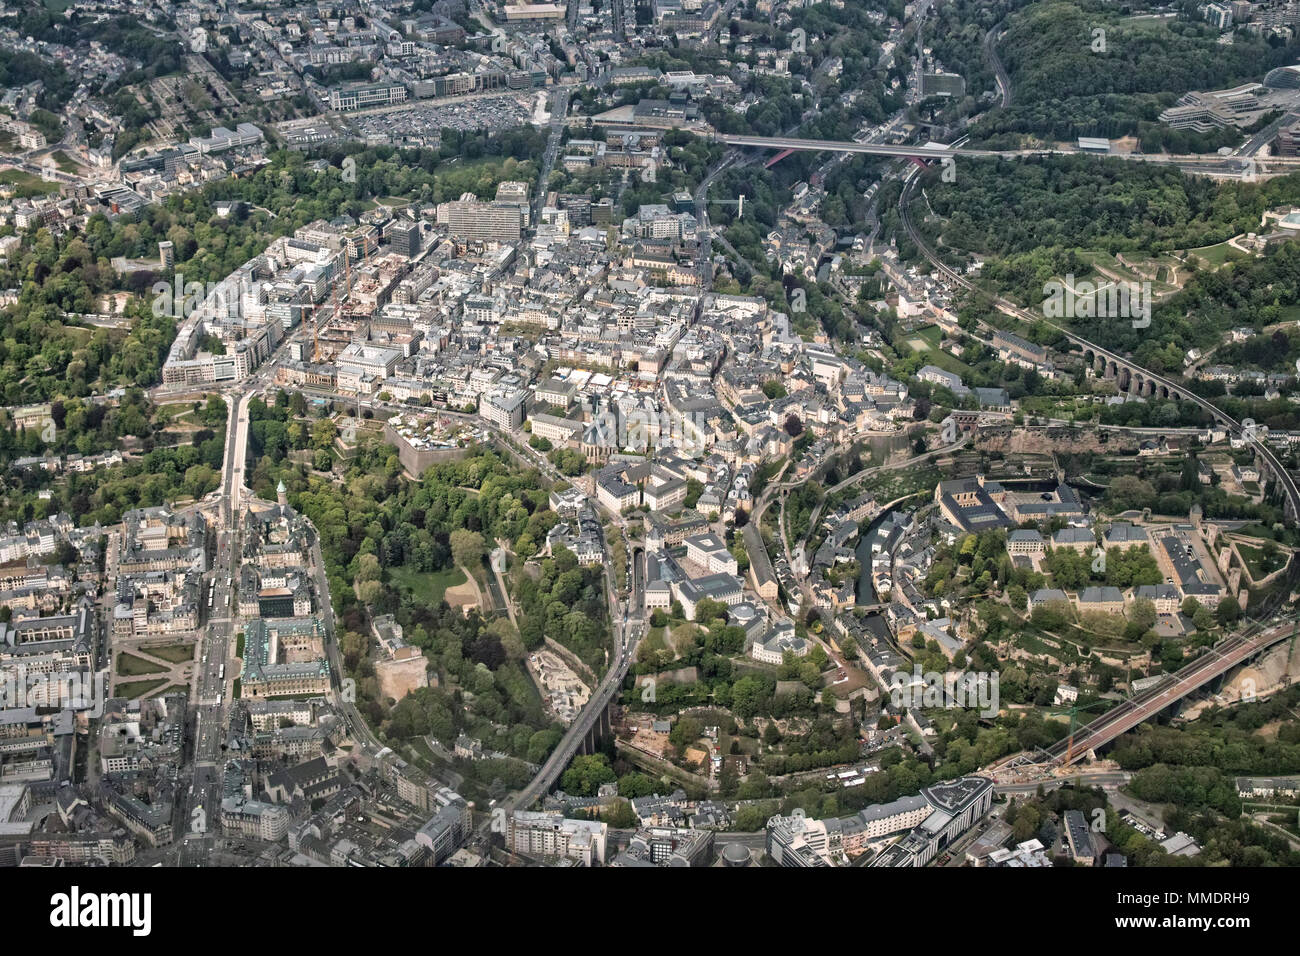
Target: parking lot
(420, 124)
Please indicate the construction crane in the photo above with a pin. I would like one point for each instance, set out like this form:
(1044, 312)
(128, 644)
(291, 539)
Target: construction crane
(1073, 711)
(334, 311)
(315, 334)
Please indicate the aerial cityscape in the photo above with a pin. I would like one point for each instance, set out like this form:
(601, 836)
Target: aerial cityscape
(649, 433)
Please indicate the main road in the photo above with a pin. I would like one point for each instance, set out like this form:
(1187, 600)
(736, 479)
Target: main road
(1230, 164)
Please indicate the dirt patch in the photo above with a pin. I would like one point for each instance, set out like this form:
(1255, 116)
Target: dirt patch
(1269, 730)
(464, 596)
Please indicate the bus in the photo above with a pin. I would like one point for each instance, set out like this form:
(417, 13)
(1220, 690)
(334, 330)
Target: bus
(222, 674)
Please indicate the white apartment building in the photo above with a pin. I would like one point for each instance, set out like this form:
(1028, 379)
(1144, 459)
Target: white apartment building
(550, 835)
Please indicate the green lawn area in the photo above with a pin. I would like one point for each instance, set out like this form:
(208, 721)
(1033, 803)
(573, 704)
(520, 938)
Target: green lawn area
(932, 335)
(139, 688)
(176, 413)
(427, 585)
(947, 362)
(1288, 536)
(1031, 642)
(895, 483)
(928, 338)
(128, 665)
(1146, 22)
(176, 653)
(1257, 564)
(1099, 260)
(1216, 256)
(26, 184)
(64, 162)
(421, 747)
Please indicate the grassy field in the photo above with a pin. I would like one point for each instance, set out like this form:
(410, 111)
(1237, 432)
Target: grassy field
(427, 585)
(421, 747)
(139, 688)
(1146, 23)
(894, 484)
(1161, 265)
(176, 413)
(128, 665)
(1215, 256)
(25, 184)
(1257, 564)
(1288, 536)
(926, 337)
(926, 342)
(176, 653)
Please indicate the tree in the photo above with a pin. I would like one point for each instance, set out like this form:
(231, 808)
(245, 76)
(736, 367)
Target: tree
(322, 434)
(1017, 596)
(708, 609)
(1228, 610)
(694, 488)
(586, 774)
(1142, 616)
(369, 592)
(793, 426)
(467, 548)
(621, 816)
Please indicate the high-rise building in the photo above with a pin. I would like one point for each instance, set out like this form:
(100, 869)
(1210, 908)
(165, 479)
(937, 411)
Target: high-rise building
(467, 218)
(403, 237)
(1218, 15)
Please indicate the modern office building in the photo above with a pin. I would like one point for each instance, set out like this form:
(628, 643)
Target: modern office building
(359, 96)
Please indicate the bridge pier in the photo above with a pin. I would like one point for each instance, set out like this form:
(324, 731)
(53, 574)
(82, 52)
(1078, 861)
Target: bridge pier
(601, 731)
